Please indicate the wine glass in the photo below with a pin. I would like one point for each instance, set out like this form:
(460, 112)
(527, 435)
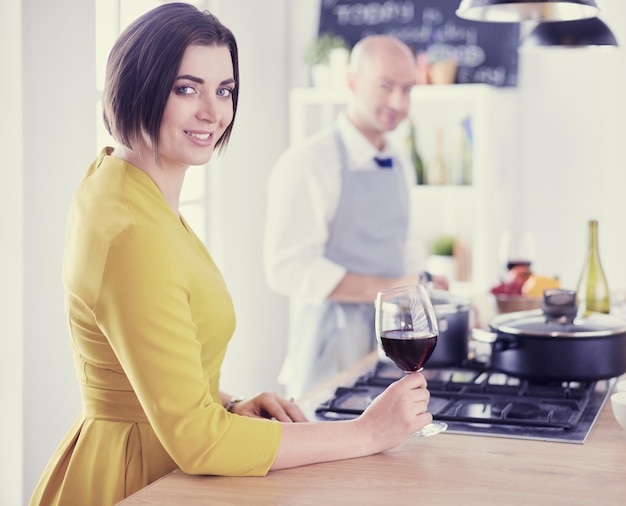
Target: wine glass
(517, 249)
(407, 330)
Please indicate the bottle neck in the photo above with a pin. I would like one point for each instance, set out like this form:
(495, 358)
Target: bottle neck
(593, 238)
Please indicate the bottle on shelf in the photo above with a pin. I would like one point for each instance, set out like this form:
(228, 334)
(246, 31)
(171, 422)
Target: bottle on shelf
(466, 151)
(438, 168)
(592, 293)
(461, 163)
(416, 159)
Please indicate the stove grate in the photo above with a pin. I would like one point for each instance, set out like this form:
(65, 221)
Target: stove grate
(475, 396)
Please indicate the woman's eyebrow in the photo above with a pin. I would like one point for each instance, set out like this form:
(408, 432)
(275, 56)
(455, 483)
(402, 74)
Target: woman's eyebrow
(191, 78)
(199, 80)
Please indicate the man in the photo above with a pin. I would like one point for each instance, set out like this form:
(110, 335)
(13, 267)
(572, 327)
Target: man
(338, 219)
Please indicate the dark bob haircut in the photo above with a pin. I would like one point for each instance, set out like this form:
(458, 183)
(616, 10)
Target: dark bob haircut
(144, 63)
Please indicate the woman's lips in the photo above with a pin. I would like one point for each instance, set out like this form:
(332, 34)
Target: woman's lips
(200, 138)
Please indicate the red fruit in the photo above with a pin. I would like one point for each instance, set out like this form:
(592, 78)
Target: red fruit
(518, 272)
(510, 287)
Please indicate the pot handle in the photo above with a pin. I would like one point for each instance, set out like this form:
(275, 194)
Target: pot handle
(499, 342)
(484, 336)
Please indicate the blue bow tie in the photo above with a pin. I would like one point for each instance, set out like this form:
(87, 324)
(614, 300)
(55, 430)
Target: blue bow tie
(384, 163)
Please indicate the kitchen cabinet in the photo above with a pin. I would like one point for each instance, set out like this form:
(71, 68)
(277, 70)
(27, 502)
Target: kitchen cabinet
(475, 211)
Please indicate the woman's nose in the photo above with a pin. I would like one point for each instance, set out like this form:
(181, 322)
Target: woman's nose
(209, 109)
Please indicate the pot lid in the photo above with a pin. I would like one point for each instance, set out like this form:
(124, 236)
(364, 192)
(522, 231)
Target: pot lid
(536, 323)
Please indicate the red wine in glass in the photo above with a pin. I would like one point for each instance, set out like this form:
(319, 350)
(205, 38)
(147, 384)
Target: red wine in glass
(517, 249)
(408, 349)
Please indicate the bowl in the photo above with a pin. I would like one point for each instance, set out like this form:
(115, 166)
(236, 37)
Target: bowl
(621, 386)
(512, 303)
(618, 403)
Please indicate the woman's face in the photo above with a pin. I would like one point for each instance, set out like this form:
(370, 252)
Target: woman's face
(199, 107)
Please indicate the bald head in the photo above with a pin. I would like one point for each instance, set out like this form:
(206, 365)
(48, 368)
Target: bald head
(379, 47)
(381, 74)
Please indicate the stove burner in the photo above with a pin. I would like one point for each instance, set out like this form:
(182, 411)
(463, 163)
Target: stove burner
(519, 410)
(473, 399)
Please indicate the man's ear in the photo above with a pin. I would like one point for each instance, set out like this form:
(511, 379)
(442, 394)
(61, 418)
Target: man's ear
(351, 80)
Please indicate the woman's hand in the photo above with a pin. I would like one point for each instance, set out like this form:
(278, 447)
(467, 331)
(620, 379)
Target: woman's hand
(393, 416)
(397, 412)
(270, 405)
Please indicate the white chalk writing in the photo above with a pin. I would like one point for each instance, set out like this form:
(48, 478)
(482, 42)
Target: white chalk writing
(374, 13)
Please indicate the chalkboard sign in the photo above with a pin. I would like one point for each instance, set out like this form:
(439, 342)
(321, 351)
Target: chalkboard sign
(485, 52)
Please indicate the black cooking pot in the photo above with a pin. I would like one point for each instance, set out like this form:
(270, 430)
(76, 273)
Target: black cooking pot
(453, 319)
(553, 344)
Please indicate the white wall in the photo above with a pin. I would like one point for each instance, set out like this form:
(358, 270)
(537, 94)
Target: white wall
(237, 188)
(562, 149)
(11, 308)
(59, 143)
(571, 166)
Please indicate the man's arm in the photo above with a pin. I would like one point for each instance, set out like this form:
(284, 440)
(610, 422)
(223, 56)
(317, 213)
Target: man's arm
(363, 288)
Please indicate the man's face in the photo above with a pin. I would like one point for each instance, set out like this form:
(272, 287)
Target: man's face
(382, 93)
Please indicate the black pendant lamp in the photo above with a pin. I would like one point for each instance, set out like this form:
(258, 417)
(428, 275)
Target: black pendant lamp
(514, 11)
(577, 33)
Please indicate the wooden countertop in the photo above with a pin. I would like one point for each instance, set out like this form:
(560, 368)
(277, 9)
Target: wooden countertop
(440, 470)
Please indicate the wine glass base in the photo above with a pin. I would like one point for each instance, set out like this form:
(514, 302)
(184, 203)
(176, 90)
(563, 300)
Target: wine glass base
(431, 429)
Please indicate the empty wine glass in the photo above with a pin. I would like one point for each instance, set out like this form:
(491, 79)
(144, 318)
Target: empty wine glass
(407, 330)
(517, 249)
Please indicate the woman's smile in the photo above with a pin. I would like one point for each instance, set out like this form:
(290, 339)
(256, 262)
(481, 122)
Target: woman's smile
(201, 137)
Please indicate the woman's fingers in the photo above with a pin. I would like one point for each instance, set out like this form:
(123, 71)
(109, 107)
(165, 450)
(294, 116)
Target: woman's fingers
(286, 410)
(398, 411)
(272, 405)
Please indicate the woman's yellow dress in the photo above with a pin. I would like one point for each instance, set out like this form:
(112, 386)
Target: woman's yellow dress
(150, 319)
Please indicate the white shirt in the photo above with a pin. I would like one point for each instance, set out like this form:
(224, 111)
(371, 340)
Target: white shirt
(303, 194)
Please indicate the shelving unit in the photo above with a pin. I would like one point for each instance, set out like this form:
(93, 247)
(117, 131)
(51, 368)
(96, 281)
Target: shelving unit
(477, 213)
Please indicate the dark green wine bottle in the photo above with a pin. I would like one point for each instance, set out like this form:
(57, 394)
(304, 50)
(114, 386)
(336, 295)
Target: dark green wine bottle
(416, 159)
(593, 290)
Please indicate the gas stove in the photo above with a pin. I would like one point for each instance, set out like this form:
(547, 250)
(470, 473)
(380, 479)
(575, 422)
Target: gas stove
(474, 400)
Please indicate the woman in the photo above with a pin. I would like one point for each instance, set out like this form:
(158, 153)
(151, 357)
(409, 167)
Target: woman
(149, 313)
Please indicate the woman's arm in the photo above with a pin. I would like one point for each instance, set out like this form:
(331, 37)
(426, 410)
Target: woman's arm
(393, 416)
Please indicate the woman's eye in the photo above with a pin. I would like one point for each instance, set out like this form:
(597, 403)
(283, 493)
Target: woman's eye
(184, 90)
(225, 92)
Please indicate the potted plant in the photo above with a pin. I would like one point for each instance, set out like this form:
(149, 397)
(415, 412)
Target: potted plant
(437, 65)
(441, 260)
(327, 55)
(443, 246)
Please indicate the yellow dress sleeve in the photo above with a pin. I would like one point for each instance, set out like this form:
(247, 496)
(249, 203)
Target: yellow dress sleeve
(168, 317)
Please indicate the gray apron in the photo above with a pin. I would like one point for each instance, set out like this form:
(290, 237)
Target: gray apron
(367, 236)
